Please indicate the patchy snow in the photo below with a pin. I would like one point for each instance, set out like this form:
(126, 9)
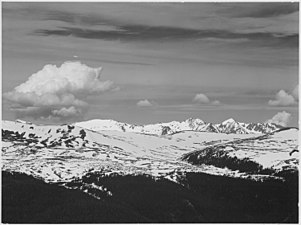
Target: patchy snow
(62, 153)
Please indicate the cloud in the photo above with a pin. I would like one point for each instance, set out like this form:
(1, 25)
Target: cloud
(57, 91)
(281, 118)
(295, 92)
(32, 111)
(144, 103)
(282, 99)
(131, 22)
(203, 99)
(66, 112)
(262, 10)
(146, 33)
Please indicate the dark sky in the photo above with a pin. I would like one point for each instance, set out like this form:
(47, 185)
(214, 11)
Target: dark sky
(207, 60)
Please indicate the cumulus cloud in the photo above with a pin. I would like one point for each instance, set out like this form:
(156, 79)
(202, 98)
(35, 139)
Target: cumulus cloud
(281, 118)
(57, 91)
(144, 103)
(203, 99)
(295, 92)
(66, 112)
(282, 98)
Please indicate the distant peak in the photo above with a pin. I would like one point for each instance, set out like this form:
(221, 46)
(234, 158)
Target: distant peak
(194, 120)
(22, 121)
(231, 120)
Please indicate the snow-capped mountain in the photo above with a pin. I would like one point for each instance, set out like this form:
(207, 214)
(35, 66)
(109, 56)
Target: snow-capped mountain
(66, 152)
(229, 126)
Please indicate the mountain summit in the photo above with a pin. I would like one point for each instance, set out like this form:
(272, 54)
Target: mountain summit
(231, 120)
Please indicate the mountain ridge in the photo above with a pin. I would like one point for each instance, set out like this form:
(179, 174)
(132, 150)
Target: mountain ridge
(229, 126)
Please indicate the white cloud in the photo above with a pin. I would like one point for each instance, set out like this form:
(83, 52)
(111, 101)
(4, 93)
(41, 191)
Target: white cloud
(66, 112)
(282, 99)
(58, 91)
(144, 103)
(203, 99)
(295, 92)
(281, 118)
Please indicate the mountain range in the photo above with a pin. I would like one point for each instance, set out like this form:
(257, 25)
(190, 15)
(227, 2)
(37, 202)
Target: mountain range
(229, 126)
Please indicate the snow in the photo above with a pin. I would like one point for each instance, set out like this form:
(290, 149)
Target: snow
(22, 121)
(133, 153)
(272, 151)
(228, 121)
(228, 126)
(6, 144)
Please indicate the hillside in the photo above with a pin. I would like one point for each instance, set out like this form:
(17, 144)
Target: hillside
(199, 198)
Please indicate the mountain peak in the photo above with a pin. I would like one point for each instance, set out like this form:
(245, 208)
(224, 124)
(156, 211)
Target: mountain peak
(231, 120)
(196, 120)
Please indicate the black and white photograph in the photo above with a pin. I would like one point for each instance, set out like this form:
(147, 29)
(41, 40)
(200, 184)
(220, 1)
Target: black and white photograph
(150, 112)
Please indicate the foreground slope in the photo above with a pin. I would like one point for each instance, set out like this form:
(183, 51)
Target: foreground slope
(198, 198)
(28, 200)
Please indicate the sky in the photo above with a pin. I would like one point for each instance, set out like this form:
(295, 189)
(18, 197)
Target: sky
(150, 62)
